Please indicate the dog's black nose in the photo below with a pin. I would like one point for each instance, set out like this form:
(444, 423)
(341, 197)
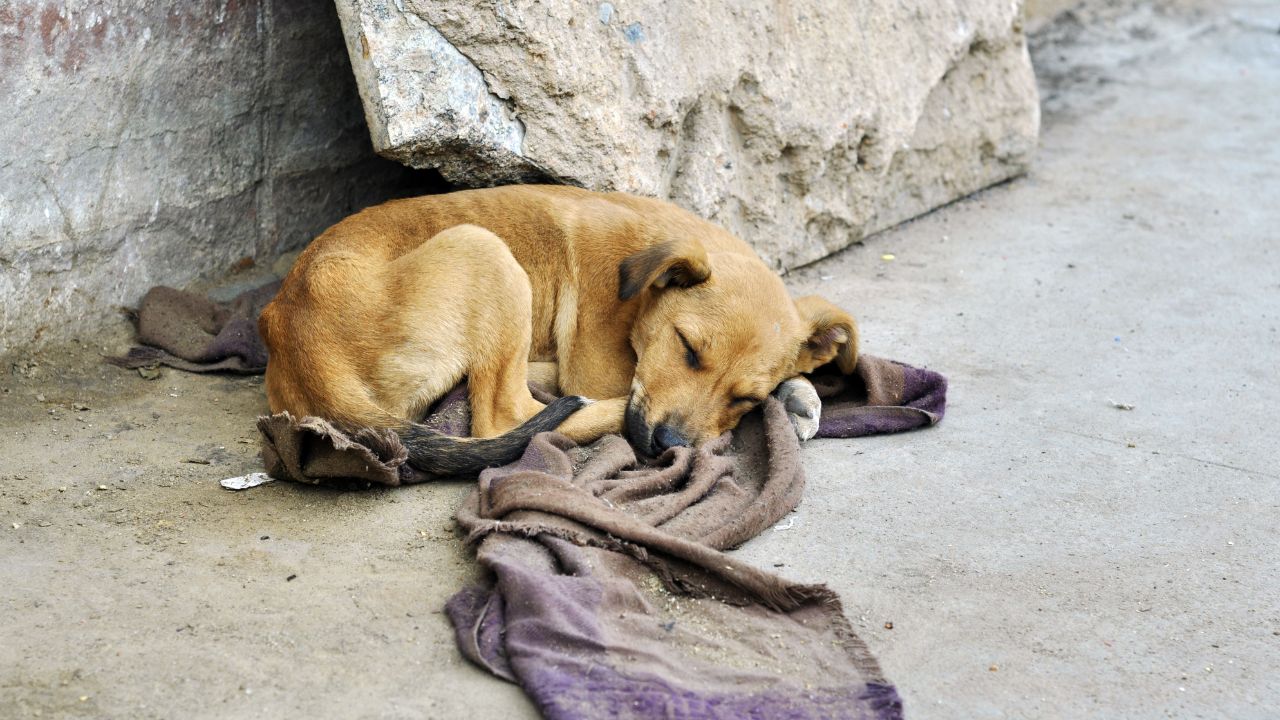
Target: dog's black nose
(665, 436)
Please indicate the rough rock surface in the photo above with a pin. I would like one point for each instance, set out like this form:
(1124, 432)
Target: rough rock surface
(801, 125)
(1040, 13)
(147, 142)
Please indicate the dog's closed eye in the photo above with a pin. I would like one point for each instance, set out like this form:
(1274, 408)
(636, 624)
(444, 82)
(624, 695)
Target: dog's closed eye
(690, 355)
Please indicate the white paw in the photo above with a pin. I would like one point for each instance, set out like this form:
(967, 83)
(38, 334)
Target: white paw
(803, 405)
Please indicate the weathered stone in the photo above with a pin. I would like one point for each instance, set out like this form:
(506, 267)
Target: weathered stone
(148, 143)
(802, 125)
(1040, 13)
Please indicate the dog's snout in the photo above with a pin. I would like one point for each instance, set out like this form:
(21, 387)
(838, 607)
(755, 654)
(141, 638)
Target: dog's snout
(647, 438)
(665, 436)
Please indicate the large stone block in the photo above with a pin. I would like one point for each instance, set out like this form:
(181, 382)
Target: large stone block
(801, 125)
(148, 142)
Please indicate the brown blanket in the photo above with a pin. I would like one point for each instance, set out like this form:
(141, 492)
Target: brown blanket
(193, 333)
(611, 595)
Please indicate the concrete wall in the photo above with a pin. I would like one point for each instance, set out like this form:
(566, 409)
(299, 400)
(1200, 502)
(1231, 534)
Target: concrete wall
(156, 142)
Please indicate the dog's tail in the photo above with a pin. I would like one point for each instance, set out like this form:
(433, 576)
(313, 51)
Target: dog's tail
(442, 454)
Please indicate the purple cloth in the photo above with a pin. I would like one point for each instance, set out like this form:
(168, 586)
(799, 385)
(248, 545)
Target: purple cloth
(881, 396)
(190, 332)
(611, 596)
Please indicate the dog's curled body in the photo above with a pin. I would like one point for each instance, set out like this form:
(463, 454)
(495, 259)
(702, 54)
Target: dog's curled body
(376, 338)
(661, 315)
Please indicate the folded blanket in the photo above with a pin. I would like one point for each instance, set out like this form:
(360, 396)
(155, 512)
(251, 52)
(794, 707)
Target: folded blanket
(611, 595)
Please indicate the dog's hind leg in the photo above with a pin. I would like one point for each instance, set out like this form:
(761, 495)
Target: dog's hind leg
(460, 306)
(464, 307)
(500, 314)
(545, 375)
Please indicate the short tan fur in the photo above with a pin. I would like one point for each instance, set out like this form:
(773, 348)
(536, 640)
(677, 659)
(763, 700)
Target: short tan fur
(672, 323)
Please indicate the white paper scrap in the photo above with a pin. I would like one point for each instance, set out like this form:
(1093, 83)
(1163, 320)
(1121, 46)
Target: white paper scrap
(244, 482)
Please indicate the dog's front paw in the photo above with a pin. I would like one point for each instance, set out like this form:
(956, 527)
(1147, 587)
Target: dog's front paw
(803, 405)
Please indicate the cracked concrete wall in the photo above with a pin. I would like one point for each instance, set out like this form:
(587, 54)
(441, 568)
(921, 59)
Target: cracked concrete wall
(801, 126)
(151, 142)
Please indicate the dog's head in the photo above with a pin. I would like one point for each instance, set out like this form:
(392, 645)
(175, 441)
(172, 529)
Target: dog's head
(714, 334)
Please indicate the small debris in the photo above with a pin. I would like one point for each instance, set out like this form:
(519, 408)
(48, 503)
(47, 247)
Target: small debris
(103, 487)
(40, 397)
(1119, 405)
(196, 461)
(888, 257)
(79, 406)
(17, 526)
(790, 524)
(26, 368)
(244, 482)
(149, 373)
(994, 667)
(888, 625)
(291, 578)
(265, 537)
(1131, 444)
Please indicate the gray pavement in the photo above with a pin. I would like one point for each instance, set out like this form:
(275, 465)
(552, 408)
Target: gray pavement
(1042, 553)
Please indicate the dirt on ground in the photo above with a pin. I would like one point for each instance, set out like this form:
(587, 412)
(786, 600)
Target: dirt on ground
(136, 586)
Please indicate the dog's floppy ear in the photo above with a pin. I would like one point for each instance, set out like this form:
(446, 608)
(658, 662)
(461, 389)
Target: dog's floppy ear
(676, 262)
(831, 335)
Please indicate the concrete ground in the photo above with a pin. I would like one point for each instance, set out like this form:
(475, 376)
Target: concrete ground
(1041, 553)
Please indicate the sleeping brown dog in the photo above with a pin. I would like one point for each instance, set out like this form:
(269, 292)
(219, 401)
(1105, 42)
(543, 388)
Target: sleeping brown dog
(674, 325)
